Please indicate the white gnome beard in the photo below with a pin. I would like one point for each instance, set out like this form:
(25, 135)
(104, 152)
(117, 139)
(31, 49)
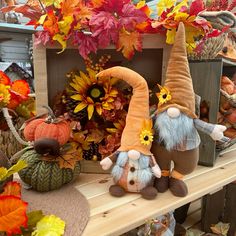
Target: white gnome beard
(173, 131)
(144, 173)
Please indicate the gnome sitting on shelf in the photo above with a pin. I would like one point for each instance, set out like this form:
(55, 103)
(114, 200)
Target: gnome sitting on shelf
(135, 165)
(176, 123)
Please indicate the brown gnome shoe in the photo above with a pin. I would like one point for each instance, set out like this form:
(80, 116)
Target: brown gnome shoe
(149, 193)
(116, 191)
(178, 187)
(162, 184)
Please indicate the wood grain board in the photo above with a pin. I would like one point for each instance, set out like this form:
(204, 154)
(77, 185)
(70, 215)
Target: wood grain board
(114, 216)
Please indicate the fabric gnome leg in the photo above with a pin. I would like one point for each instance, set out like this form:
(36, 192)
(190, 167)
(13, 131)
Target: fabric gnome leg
(134, 165)
(176, 123)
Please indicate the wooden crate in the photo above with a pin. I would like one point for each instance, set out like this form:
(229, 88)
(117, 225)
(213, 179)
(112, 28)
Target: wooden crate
(50, 69)
(206, 77)
(220, 206)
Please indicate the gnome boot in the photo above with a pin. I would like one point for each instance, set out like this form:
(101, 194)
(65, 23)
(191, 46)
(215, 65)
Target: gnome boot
(116, 191)
(178, 187)
(149, 193)
(162, 184)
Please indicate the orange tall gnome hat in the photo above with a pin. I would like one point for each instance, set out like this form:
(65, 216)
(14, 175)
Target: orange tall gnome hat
(178, 81)
(137, 134)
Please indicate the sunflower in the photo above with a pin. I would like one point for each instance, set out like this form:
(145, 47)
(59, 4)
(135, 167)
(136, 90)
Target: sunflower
(146, 135)
(164, 96)
(4, 95)
(93, 93)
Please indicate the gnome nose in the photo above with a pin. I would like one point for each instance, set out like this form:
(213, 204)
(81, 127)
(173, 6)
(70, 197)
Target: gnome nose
(133, 154)
(173, 112)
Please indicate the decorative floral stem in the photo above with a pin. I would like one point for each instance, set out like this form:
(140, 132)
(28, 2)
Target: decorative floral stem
(12, 128)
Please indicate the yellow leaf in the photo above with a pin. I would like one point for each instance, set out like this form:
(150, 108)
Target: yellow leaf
(3, 173)
(181, 16)
(49, 225)
(128, 42)
(42, 19)
(56, 3)
(190, 47)
(90, 111)
(65, 24)
(60, 39)
(80, 107)
(192, 33)
(77, 97)
(170, 36)
(183, 3)
(163, 5)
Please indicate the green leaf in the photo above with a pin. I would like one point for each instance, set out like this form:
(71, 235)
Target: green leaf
(16, 168)
(3, 173)
(34, 217)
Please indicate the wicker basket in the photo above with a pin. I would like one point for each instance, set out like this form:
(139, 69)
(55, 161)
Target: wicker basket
(8, 143)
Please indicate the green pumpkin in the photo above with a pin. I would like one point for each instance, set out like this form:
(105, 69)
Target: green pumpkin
(44, 176)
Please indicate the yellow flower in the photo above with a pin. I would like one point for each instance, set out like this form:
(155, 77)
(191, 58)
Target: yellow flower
(50, 226)
(93, 93)
(146, 135)
(164, 96)
(4, 95)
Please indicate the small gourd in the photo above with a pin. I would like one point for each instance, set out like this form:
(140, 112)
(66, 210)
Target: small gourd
(49, 127)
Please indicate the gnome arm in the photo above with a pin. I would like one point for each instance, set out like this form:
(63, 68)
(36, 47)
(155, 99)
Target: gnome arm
(213, 130)
(107, 162)
(155, 167)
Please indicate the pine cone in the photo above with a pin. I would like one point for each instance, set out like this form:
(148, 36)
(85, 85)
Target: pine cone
(92, 153)
(70, 105)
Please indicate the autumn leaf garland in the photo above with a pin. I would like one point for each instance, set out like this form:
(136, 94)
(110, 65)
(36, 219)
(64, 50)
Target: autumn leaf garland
(94, 24)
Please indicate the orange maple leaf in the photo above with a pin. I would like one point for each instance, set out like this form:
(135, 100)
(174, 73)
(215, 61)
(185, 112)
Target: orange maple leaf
(12, 188)
(12, 214)
(51, 23)
(68, 7)
(128, 42)
(97, 3)
(4, 79)
(69, 158)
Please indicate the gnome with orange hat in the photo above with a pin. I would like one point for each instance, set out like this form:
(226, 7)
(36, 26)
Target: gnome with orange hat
(176, 123)
(135, 165)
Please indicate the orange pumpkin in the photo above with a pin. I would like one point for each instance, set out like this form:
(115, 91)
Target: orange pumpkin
(49, 127)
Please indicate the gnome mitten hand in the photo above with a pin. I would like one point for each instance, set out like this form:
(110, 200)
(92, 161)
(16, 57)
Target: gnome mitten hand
(217, 133)
(106, 163)
(156, 171)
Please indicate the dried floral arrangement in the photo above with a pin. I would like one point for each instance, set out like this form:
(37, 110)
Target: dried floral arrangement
(13, 209)
(96, 109)
(95, 24)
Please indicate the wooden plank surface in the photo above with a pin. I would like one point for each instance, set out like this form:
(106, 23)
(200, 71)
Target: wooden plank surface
(114, 216)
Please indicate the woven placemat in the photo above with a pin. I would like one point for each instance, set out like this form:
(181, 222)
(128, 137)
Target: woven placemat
(67, 203)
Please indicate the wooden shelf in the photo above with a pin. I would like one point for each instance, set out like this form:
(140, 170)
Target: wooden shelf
(114, 216)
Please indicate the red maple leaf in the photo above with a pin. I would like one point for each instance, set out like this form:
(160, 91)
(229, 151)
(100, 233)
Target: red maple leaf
(86, 44)
(105, 26)
(196, 7)
(131, 16)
